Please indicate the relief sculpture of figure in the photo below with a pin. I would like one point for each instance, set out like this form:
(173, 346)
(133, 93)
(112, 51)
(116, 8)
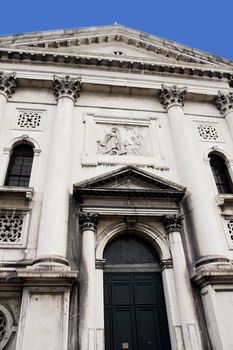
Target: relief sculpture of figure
(112, 143)
(135, 143)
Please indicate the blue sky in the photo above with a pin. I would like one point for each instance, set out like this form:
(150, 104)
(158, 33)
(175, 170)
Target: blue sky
(203, 24)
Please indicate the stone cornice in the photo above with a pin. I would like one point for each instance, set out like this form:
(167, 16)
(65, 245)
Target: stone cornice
(171, 95)
(106, 61)
(224, 102)
(173, 223)
(7, 84)
(66, 87)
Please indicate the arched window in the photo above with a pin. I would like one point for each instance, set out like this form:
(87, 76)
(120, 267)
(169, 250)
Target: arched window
(129, 249)
(221, 175)
(20, 166)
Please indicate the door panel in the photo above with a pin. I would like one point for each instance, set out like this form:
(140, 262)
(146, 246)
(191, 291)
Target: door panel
(135, 314)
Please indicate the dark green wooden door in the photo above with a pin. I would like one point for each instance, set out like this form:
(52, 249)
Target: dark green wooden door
(135, 314)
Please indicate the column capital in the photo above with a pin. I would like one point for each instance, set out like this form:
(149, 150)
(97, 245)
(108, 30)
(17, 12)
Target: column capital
(224, 102)
(88, 221)
(172, 95)
(66, 87)
(173, 223)
(7, 84)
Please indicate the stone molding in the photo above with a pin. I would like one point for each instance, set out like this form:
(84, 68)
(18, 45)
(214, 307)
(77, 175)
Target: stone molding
(88, 221)
(166, 264)
(66, 87)
(173, 223)
(224, 102)
(100, 263)
(172, 95)
(7, 84)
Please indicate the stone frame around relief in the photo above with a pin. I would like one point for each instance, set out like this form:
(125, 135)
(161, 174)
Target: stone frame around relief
(91, 156)
(25, 213)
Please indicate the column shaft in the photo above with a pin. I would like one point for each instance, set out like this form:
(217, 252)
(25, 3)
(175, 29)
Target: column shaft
(186, 306)
(193, 176)
(52, 241)
(87, 334)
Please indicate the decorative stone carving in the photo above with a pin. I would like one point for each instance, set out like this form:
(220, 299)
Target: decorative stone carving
(124, 140)
(224, 102)
(7, 84)
(66, 87)
(173, 223)
(230, 229)
(10, 228)
(172, 95)
(207, 132)
(88, 221)
(2, 326)
(29, 120)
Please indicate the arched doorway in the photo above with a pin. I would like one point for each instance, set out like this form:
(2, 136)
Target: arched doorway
(135, 313)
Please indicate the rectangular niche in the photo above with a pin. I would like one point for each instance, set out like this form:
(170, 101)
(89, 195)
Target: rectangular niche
(113, 141)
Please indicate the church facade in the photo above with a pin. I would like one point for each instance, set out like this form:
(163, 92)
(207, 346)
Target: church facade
(116, 193)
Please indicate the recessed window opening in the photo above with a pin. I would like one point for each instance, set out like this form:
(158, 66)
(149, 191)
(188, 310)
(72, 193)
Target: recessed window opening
(130, 249)
(220, 173)
(20, 166)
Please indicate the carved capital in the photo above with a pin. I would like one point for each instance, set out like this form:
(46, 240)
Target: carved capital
(172, 95)
(88, 221)
(224, 102)
(173, 223)
(66, 87)
(7, 84)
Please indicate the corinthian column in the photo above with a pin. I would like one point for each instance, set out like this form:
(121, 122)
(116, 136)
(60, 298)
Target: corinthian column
(224, 104)
(189, 323)
(52, 241)
(88, 225)
(7, 88)
(193, 176)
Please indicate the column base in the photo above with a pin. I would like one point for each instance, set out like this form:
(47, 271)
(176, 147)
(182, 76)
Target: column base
(213, 259)
(53, 262)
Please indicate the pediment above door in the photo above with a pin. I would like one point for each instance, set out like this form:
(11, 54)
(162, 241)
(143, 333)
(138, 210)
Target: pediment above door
(129, 187)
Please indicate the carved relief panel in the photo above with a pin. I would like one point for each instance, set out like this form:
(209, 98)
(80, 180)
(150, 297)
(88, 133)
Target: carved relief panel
(115, 140)
(29, 119)
(208, 131)
(124, 140)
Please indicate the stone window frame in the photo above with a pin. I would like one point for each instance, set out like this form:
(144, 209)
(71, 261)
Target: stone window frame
(7, 151)
(40, 111)
(26, 213)
(10, 325)
(91, 159)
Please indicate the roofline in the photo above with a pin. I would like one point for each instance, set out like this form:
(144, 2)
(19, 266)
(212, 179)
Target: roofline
(76, 30)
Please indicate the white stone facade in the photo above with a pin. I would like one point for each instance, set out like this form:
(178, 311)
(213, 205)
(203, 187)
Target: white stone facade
(123, 126)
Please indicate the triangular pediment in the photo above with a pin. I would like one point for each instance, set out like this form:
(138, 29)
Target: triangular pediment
(114, 41)
(129, 180)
